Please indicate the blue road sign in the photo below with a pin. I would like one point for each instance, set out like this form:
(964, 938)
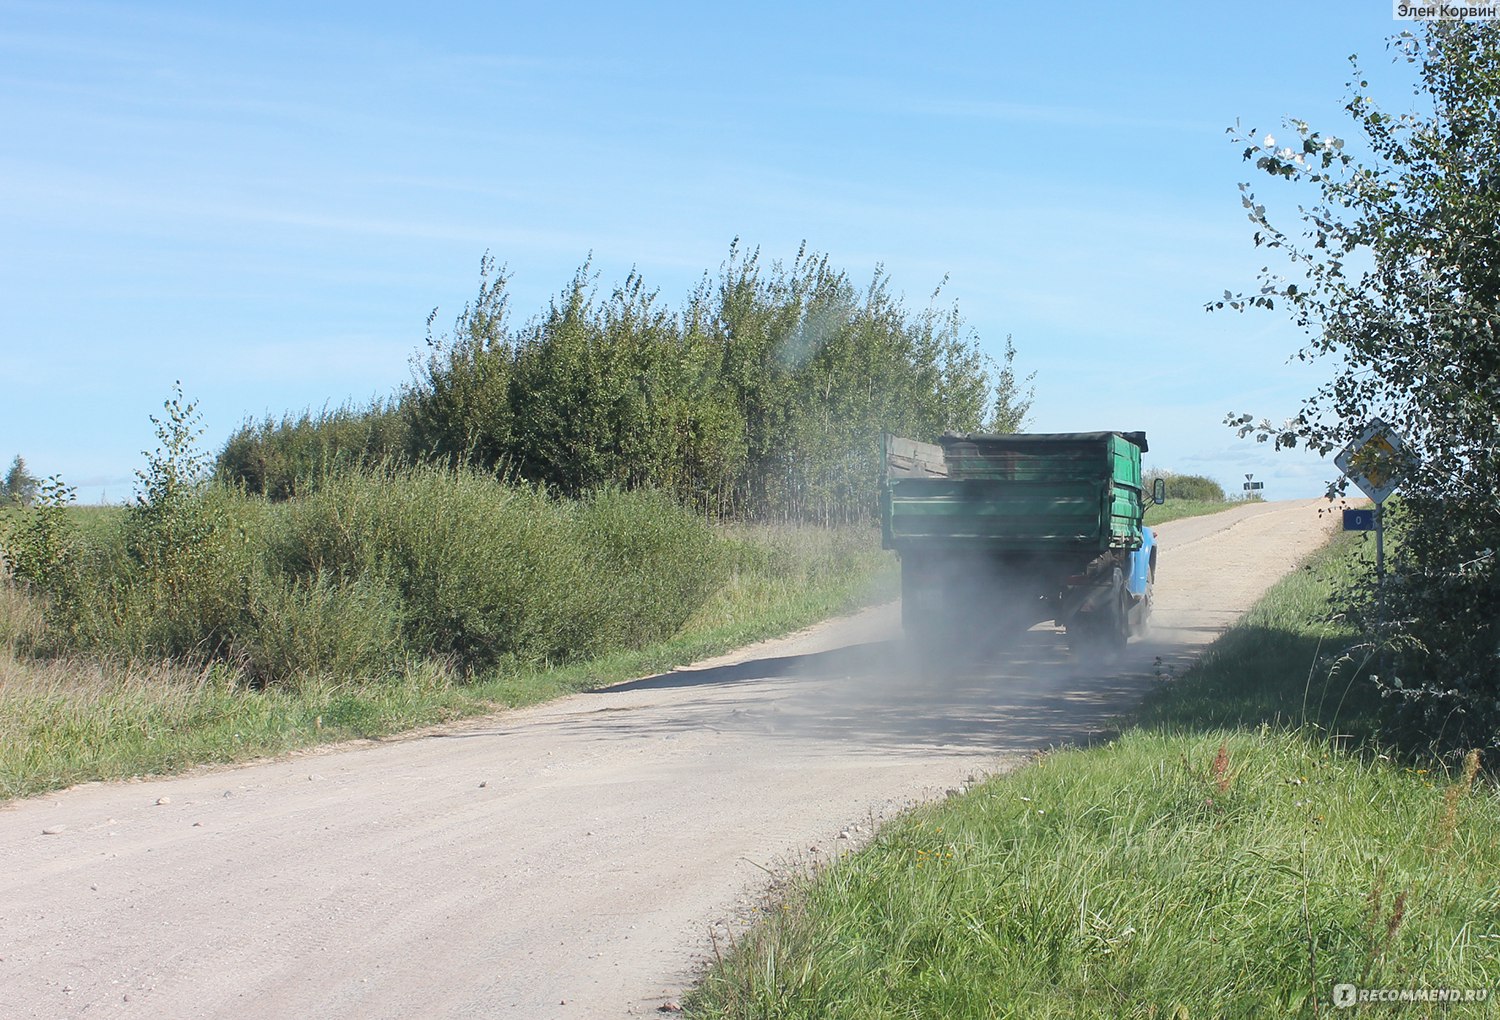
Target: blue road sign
(1359, 520)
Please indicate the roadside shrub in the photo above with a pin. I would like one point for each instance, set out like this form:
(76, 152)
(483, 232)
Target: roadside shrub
(183, 602)
(374, 567)
(190, 598)
(1194, 487)
(661, 564)
(39, 542)
(320, 626)
(173, 579)
(485, 570)
(22, 625)
(467, 557)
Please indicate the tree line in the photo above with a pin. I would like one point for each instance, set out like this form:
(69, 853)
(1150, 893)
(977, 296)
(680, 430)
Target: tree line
(762, 397)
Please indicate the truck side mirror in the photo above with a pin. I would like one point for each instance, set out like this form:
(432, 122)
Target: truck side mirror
(1159, 491)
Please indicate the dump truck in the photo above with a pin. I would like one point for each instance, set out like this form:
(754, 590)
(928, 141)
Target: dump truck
(998, 532)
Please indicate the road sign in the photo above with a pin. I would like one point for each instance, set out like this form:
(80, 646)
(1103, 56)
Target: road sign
(1359, 520)
(1254, 485)
(1376, 460)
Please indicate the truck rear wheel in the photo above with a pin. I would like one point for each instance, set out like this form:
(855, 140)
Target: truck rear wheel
(1117, 623)
(1104, 630)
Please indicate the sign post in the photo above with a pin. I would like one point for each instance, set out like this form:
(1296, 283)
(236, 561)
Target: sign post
(1376, 460)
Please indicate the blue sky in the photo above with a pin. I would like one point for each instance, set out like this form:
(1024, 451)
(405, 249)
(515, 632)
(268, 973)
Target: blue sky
(266, 200)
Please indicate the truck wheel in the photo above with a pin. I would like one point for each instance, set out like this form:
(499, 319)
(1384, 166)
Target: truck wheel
(1096, 637)
(1117, 623)
(1114, 618)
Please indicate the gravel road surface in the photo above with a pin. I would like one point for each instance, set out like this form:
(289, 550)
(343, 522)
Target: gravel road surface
(569, 860)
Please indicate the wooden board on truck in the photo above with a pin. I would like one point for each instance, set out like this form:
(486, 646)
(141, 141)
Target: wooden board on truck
(907, 458)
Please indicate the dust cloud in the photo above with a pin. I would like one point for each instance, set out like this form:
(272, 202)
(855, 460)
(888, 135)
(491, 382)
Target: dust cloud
(1001, 690)
(989, 682)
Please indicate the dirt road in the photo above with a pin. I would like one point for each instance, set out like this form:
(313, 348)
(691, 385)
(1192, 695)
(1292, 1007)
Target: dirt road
(564, 861)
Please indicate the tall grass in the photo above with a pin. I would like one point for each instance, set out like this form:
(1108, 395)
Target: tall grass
(1283, 664)
(70, 720)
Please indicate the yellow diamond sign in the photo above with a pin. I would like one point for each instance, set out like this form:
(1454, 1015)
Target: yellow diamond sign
(1376, 460)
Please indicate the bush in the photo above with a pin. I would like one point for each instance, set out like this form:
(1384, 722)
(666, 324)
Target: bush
(191, 598)
(1194, 487)
(662, 565)
(486, 571)
(167, 579)
(181, 588)
(372, 568)
(39, 542)
(320, 626)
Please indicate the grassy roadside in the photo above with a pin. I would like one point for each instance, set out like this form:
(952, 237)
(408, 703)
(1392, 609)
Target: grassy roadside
(1229, 856)
(1176, 509)
(65, 721)
(1280, 664)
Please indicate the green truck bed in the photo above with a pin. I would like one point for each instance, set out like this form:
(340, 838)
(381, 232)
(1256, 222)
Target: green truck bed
(1024, 493)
